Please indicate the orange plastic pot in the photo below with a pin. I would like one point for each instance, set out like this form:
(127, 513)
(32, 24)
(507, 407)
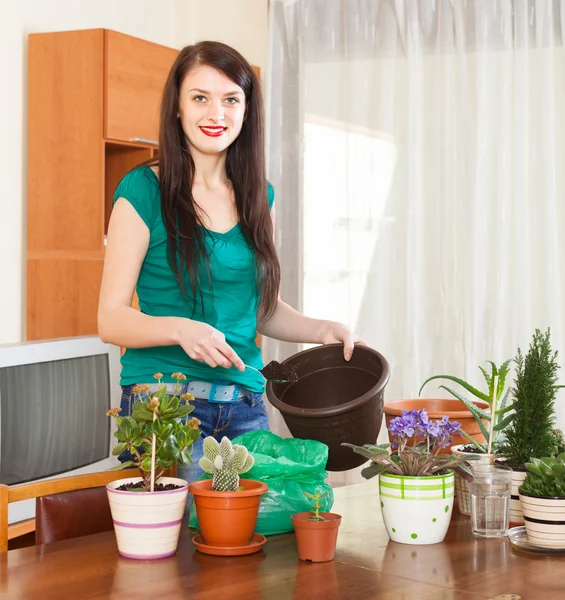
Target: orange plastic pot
(316, 540)
(436, 409)
(227, 519)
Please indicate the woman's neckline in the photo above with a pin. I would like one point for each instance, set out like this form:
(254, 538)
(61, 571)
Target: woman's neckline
(221, 234)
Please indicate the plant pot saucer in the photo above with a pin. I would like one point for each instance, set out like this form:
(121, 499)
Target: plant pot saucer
(519, 539)
(257, 542)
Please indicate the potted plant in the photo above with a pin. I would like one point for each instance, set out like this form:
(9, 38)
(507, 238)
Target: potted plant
(227, 507)
(542, 495)
(147, 511)
(491, 421)
(316, 532)
(416, 483)
(531, 433)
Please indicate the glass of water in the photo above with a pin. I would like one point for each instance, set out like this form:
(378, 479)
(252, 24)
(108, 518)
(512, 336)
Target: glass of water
(490, 500)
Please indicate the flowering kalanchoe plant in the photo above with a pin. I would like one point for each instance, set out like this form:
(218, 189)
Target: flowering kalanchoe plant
(159, 433)
(420, 460)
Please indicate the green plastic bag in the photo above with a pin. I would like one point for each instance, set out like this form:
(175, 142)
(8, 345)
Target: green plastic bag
(289, 467)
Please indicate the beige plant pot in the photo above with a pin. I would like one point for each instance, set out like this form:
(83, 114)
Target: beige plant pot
(462, 485)
(544, 518)
(147, 524)
(516, 515)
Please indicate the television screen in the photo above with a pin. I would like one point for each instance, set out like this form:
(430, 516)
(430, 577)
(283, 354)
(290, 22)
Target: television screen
(53, 417)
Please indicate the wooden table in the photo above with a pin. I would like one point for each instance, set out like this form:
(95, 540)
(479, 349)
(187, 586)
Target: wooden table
(367, 566)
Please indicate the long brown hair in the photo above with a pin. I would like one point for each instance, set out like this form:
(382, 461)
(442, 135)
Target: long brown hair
(245, 168)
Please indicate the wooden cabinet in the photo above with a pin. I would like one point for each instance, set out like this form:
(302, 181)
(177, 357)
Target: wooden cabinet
(135, 74)
(92, 96)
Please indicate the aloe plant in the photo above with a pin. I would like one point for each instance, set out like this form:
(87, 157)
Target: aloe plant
(546, 477)
(499, 415)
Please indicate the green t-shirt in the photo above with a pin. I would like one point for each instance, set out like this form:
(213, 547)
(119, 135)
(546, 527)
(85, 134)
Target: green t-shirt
(230, 300)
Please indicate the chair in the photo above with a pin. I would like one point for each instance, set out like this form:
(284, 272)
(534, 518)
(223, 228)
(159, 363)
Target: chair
(65, 508)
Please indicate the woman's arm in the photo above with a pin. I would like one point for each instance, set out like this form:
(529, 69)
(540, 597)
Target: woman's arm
(288, 325)
(122, 325)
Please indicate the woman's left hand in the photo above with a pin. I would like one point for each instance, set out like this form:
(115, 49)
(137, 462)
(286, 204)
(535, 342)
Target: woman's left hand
(334, 333)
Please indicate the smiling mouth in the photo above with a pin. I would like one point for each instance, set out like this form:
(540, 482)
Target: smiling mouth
(213, 131)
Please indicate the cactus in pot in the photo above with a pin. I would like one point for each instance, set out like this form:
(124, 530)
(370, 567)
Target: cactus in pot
(226, 462)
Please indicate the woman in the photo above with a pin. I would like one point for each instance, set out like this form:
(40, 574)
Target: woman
(193, 231)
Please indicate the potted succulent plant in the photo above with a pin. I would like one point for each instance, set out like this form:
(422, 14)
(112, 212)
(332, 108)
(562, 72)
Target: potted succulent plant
(316, 532)
(542, 495)
(227, 506)
(147, 511)
(416, 483)
(532, 433)
(491, 421)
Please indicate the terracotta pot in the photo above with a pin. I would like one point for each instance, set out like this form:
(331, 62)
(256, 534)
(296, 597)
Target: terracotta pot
(334, 400)
(227, 519)
(316, 540)
(516, 515)
(436, 409)
(462, 492)
(147, 524)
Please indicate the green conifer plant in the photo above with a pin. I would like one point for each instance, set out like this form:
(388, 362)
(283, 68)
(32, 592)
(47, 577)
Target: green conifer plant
(531, 433)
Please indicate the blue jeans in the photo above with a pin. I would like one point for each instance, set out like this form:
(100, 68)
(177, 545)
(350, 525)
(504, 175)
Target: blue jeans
(247, 414)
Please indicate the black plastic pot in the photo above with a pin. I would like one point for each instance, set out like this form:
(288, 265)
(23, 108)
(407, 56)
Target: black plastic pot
(334, 401)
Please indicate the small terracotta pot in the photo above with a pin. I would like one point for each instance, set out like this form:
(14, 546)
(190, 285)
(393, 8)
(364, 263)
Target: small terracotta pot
(227, 519)
(316, 540)
(436, 409)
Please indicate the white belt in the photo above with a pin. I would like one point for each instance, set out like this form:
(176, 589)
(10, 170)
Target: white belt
(204, 390)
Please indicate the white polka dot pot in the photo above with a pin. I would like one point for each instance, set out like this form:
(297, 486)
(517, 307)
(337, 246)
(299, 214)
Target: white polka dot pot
(417, 510)
(147, 524)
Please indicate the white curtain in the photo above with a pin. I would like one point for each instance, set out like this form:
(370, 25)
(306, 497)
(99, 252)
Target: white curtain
(417, 150)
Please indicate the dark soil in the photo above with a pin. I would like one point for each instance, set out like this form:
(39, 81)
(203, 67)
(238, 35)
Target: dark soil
(276, 371)
(471, 450)
(139, 487)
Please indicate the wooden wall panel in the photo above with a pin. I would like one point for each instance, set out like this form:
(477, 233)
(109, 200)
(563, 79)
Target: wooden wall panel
(62, 297)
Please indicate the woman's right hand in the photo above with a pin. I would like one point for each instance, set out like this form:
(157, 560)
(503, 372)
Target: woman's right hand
(204, 343)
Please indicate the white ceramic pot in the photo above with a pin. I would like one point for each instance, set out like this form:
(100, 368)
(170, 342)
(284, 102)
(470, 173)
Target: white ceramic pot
(544, 518)
(147, 524)
(516, 516)
(462, 485)
(416, 510)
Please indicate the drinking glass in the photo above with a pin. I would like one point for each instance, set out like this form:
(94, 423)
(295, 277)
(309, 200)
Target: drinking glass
(490, 500)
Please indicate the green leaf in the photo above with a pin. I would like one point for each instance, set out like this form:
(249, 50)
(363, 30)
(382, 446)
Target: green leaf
(127, 426)
(185, 456)
(119, 448)
(478, 413)
(309, 495)
(474, 442)
(502, 373)
(504, 423)
(142, 414)
(373, 470)
(121, 466)
(462, 383)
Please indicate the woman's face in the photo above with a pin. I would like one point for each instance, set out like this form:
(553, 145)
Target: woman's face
(211, 110)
